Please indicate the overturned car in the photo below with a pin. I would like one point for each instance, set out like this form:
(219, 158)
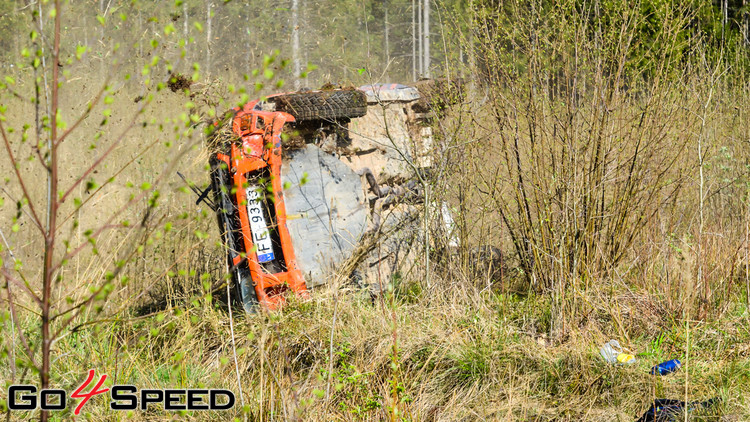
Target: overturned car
(306, 185)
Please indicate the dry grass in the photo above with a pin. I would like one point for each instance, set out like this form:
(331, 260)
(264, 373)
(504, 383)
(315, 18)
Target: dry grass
(462, 354)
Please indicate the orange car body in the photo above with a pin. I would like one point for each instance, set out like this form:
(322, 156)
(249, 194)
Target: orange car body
(258, 157)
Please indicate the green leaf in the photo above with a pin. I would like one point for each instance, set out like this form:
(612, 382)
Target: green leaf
(102, 20)
(79, 51)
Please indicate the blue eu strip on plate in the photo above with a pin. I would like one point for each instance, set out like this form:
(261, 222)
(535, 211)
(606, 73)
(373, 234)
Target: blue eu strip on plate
(265, 257)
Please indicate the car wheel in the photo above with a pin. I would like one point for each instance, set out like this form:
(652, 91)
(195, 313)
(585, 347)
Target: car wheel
(322, 105)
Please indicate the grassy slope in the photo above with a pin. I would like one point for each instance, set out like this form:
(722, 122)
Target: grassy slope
(462, 354)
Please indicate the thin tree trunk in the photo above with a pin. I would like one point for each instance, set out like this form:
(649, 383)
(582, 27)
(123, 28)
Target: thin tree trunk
(304, 53)
(426, 33)
(46, 101)
(12, 354)
(185, 19)
(747, 250)
(248, 39)
(744, 23)
(85, 32)
(49, 238)
(295, 44)
(140, 39)
(16, 49)
(413, 40)
(421, 38)
(724, 16)
(470, 52)
(101, 37)
(209, 14)
(387, 46)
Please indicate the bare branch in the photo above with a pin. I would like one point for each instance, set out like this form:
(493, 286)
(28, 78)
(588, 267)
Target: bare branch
(93, 194)
(78, 308)
(11, 307)
(86, 113)
(116, 214)
(17, 172)
(16, 94)
(104, 155)
(86, 302)
(25, 288)
(5, 191)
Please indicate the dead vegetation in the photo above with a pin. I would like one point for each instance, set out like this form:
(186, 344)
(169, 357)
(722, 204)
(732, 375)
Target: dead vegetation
(179, 82)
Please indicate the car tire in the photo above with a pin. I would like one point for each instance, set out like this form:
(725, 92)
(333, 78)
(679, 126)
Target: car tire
(322, 105)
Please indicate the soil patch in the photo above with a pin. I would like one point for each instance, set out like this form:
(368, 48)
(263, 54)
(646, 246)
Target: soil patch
(179, 82)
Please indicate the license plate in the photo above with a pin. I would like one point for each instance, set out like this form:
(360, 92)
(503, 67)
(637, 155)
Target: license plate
(259, 225)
